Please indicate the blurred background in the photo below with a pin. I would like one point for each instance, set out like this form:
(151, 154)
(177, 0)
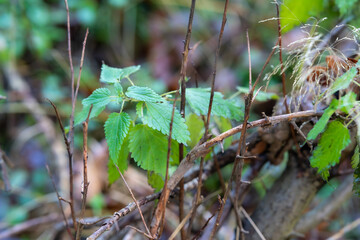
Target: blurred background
(34, 67)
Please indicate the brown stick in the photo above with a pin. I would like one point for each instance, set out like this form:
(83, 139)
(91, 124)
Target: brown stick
(239, 162)
(182, 106)
(163, 204)
(198, 193)
(85, 181)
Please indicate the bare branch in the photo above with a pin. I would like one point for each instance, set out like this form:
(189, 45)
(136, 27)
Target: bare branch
(85, 180)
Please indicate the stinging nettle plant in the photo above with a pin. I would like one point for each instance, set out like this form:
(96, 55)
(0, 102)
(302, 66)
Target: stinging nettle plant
(147, 139)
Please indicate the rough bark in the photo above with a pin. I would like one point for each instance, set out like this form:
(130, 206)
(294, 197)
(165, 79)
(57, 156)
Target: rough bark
(284, 204)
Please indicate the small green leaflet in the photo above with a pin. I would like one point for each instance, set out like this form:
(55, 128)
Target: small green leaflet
(116, 129)
(198, 99)
(328, 152)
(143, 94)
(261, 95)
(321, 124)
(121, 161)
(343, 81)
(113, 75)
(158, 116)
(148, 147)
(100, 97)
(196, 129)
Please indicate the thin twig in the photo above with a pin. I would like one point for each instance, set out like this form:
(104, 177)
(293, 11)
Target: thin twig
(136, 202)
(71, 132)
(344, 230)
(60, 204)
(182, 105)
(239, 162)
(139, 231)
(158, 219)
(252, 223)
(160, 210)
(198, 193)
(85, 180)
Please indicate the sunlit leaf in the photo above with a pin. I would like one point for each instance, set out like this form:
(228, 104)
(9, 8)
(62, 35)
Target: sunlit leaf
(143, 94)
(113, 75)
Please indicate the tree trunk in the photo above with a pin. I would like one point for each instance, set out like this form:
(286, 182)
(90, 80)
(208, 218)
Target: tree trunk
(286, 201)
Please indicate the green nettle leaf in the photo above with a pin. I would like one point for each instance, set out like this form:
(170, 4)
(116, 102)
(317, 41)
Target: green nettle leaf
(143, 94)
(261, 95)
(155, 180)
(100, 97)
(196, 129)
(118, 88)
(158, 116)
(294, 12)
(199, 98)
(328, 152)
(113, 75)
(345, 5)
(148, 147)
(343, 81)
(121, 161)
(321, 124)
(116, 129)
(81, 116)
